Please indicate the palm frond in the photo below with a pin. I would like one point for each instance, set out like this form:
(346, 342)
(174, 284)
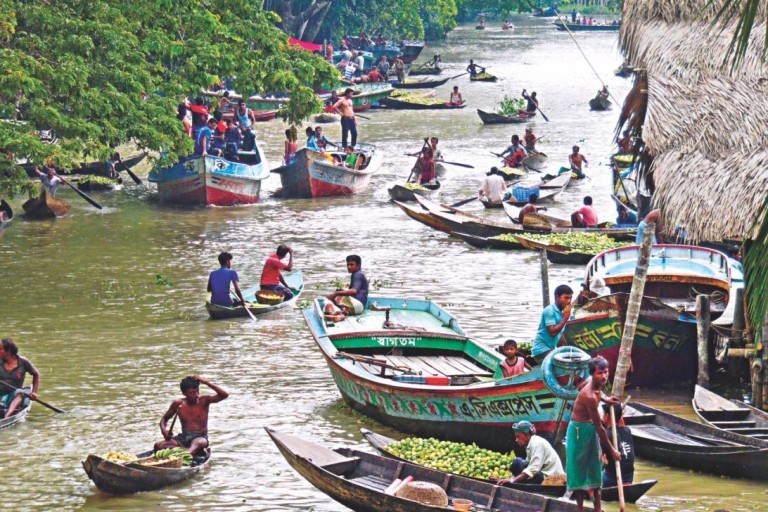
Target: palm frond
(756, 273)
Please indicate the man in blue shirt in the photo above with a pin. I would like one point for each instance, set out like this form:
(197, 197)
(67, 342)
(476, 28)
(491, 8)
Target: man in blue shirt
(354, 298)
(203, 143)
(219, 282)
(552, 324)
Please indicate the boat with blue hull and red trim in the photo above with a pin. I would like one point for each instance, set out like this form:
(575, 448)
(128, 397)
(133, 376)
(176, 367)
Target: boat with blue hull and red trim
(665, 341)
(409, 365)
(212, 180)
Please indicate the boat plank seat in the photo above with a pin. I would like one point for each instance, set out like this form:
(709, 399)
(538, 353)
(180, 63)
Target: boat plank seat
(732, 425)
(752, 432)
(378, 483)
(376, 370)
(343, 466)
(317, 454)
(448, 366)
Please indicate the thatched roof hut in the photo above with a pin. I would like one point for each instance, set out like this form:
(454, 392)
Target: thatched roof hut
(704, 124)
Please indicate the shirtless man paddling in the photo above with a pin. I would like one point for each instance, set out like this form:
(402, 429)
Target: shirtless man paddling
(193, 415)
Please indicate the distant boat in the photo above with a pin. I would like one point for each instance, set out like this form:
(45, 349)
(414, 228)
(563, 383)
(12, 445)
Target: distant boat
(549, 12)
(212, 180)
(577, 27)
(599, 103)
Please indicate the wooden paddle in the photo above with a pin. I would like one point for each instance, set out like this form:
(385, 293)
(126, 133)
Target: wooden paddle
(457, 163)
(133, 176)
(525, 95)
(619, 483)
(363, 117)
(463, 202)
(80, 192)
(38, 400)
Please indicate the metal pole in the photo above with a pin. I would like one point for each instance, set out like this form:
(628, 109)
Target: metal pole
(544, 276)
(633, 310)
(702, 333)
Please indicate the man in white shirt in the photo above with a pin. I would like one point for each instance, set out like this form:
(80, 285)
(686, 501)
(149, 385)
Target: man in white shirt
(541, 460)
(493, 187)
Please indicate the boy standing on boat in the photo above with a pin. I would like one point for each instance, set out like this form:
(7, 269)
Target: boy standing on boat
(13, 369)
(552, 323)
(192, 411)
(345, 108)
(220, 280)
(585, 435)
(355, 297)
(271, 275)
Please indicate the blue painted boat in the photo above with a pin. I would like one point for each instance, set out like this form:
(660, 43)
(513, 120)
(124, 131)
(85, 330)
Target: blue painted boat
(212, 180)
(408, 364)
(665, 341)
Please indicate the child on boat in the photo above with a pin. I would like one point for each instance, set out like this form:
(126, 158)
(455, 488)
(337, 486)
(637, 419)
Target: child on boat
(514, 364)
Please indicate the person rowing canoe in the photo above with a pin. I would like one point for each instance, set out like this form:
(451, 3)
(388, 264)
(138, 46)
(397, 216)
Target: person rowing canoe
(13, 370)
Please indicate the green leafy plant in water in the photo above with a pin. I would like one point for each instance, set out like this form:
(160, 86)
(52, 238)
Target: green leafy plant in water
(303, 304)
(161, 281)
(509, 106)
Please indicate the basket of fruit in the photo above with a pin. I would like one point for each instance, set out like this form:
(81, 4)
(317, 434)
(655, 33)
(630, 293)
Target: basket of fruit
(169, 463)
(268, 297)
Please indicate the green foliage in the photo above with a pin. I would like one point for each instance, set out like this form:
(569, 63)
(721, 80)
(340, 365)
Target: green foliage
(611, 8)
(100, 73)
(470, 9)
(747, 12)
(755, 263)
(509, 106)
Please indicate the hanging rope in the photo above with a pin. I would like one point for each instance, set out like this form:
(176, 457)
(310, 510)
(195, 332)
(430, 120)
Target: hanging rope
(585, 56)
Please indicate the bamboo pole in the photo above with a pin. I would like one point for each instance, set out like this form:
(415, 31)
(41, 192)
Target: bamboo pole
(544, 276)
(702, 335)
(633, 310)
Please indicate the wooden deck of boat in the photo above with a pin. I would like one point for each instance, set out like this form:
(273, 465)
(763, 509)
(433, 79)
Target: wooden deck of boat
(429, 366)
(372, 321)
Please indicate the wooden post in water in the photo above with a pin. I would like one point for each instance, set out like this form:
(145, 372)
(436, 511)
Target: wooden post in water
(736, 365)
(702, 333)
(544, 276)
(633, 310)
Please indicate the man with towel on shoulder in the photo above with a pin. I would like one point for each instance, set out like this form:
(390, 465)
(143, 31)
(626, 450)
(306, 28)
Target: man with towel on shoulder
(586, 432)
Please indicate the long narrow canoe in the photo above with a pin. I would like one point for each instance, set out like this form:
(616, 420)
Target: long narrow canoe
(295, 281)
(404, 193)
(398, 104)
(126, 478)
(358, 480)
(494, 118)
(555, 253)
(7, 213)
(489, 243)
(670, 439)
(26, 405)
(93, 168)
(598, 103)
(45, 206)
(483, 77)
(632, 492)
(730, 415)
(420, 83)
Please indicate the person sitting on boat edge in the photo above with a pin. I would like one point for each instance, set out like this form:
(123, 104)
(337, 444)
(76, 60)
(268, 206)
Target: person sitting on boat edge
(626, 448)
(204, 143)
(584, 217)
(516, 153)
(13, 370)
(50, 181)
(540, 462)
(356, 296)
(514, 363)
(493, 186)
(351, 159)
(271, 275)
(192, 411)
(232, 140)
(626, 217)
(552, 324)
(530, 208)
(322, 141)
(219, 282)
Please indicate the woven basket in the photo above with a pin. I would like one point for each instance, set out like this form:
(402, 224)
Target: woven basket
(554, 480)
(535, 221)
(174, 463)
(268, 297)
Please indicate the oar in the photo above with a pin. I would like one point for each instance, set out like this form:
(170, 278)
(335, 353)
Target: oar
(133, 176)
(363, 117)
(619, 483)
(245, 305)
(457, 163)
(80, 192)
(537, 107)
(463, 202)
(426, 141)
(38, 400)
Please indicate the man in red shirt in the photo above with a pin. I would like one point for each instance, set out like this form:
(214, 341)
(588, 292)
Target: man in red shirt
(374, 75)
(271, 276)
(585, 217)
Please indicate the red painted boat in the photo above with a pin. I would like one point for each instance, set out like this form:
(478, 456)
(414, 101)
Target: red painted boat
(313, 174)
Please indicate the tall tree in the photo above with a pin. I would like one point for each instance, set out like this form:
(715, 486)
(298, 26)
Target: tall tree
(103, 72)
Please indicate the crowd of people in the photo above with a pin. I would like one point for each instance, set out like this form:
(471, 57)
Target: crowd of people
(219, 129)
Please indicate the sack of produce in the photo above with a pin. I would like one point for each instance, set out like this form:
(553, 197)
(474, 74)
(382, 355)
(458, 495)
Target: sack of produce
(425, 493)
(119, 457)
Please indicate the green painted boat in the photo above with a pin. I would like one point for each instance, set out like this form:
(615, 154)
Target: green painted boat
(408, 364)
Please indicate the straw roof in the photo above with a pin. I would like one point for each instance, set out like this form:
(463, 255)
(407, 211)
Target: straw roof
(705, 125)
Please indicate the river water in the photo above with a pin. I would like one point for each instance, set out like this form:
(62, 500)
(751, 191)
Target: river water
(109, 305)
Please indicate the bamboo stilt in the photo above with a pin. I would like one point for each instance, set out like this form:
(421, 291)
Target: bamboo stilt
(702, 333)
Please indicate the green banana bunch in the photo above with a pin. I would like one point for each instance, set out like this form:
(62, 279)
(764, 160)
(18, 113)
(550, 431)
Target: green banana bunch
(173, 453)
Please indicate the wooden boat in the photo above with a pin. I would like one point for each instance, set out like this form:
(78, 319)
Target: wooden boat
(93, 168)
(408, 364)
(676, 441)
(420, 83)
(540, 221)
(261, 116)
(479, 27)
(436, 217)
(483, 77)
(213, 180)
(7, 211)
(411, 49)
(425, 70)
(403, 193)
(26, 405)
(404, 104)
(730, 415)
(489, 243)
(45, 206)
(535, 161)
(577, 27)
(555, 253)
(546, 190)
(358, 479)
(364, 96)
(632, 492)
(494, 118)
(295, 281)
(126, 478)
(512, 174)
(101, 184)
(327, 117)
(598, 103)
(665, 346)
(312, 175)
